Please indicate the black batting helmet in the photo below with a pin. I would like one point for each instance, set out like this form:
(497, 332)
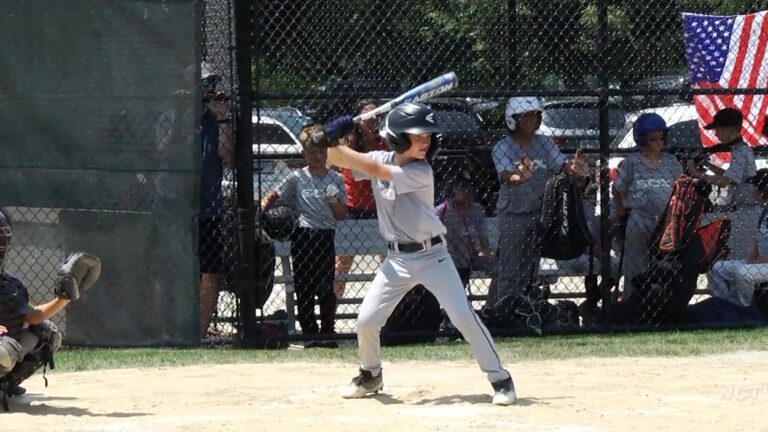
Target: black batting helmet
(6, 233)
(279, 223)
(408, 118)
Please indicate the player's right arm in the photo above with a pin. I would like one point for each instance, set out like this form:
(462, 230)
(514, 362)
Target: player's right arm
(345, 157)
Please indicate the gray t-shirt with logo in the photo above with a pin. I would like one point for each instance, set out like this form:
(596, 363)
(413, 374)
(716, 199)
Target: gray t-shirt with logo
(645, 187)
(405, 206)
(742, 166)
(547, 160)
(309, 195)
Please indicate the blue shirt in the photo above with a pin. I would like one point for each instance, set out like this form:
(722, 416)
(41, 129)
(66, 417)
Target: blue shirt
(211, 167)
(14, 305)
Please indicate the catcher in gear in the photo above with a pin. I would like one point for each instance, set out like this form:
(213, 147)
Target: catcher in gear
(28, 339)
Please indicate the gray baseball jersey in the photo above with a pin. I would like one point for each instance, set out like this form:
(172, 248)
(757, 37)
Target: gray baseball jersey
(310, 194)
(547, 160)
(646, 188)
(407, 214)
(405, 206)
(742, 166)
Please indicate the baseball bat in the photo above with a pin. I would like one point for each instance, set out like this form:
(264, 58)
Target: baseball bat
(429, 89)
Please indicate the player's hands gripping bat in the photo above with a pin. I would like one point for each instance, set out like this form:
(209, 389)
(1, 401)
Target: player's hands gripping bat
(343, 125)
(78, 273)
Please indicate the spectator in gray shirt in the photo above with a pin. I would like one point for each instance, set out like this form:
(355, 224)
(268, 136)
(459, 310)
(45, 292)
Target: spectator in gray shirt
(524, 162)
(318, 197)
(742, 207)
(642, 189)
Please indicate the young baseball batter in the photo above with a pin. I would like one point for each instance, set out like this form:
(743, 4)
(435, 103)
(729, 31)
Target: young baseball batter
(643, 188)
(403, 188)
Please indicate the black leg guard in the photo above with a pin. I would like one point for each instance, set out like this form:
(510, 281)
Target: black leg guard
(10, 354)
(40, 357)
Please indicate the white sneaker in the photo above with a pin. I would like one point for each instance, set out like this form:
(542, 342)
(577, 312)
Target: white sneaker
(504, 392)
(363, 385)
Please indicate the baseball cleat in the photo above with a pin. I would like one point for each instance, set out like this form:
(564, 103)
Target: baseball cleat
(363, 385)
(504, 392)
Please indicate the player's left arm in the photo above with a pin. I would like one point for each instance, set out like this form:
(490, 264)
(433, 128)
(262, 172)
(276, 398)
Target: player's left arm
(78, 273)
(345, 157)
(45, 311)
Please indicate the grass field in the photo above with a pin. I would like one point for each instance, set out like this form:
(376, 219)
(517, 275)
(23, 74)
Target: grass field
(689, 343)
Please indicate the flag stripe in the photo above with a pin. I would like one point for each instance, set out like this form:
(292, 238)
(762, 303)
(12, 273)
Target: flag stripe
(729, 52)
(741, 33)
(750, 102)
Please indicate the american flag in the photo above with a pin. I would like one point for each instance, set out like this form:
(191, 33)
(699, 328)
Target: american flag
(728, 52)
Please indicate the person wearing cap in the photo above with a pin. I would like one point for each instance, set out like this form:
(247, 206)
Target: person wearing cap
(466, 226)
(741, 205)
(734, 280)
(641, 193)
(524, 161)
(216, 142)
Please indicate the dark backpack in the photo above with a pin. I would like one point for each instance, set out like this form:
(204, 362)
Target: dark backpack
(563, 229)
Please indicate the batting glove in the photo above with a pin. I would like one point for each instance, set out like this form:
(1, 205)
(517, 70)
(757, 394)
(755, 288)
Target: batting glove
(338, 127)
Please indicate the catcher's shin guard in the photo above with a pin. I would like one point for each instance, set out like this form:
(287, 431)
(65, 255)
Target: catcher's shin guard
(41, 355)
(10, 354)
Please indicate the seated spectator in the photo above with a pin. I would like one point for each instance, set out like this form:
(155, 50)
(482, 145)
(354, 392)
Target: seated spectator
(735, 279)
(466, 227)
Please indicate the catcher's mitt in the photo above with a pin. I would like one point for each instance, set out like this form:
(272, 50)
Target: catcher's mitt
(78, 273)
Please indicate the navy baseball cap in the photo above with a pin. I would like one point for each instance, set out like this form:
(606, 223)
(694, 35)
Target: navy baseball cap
(726, 117)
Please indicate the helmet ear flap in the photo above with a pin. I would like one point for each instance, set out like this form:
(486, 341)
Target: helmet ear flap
(511, 122)
(399, 143)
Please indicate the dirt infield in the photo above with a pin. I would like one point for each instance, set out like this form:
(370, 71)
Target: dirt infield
(712, 393)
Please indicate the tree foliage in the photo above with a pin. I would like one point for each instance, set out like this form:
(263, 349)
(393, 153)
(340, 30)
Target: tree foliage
(535, 44)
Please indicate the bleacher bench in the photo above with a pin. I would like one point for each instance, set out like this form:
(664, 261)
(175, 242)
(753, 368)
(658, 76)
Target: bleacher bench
(362, 237)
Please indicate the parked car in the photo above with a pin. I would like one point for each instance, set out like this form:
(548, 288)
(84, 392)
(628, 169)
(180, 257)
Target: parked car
(276, 149)
(573, 123)
(326, 101)
(465, 150)
(679, 83)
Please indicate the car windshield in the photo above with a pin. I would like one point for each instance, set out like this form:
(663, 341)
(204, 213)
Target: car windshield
(684, 135)
(456, 123)
(271, 134)
(580, 118)
(291, 119)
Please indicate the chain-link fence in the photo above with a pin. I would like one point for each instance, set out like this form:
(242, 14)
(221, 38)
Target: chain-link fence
(556, 204)
(581, 241)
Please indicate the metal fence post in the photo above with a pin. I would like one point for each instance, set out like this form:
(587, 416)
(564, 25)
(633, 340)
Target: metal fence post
(244, 25)
(605, 150)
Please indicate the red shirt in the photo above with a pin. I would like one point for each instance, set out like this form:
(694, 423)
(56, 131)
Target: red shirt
(359, 193)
